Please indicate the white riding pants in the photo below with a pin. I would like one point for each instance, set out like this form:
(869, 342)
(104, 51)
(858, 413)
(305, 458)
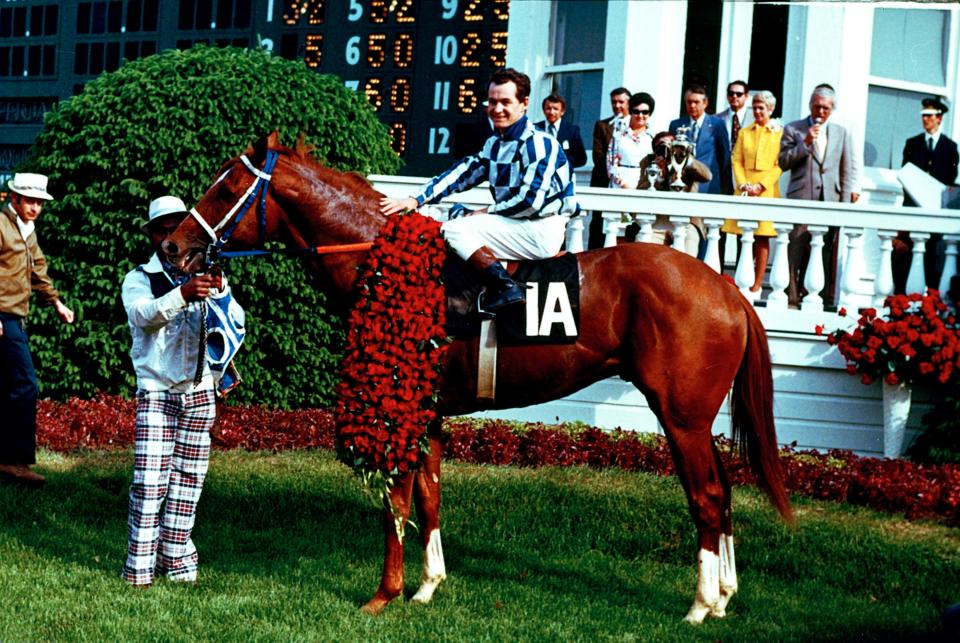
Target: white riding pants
(510, 239)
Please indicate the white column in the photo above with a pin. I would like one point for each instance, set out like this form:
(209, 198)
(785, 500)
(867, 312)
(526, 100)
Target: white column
(780, 268)
(852, 269)
(575, 233)
(611, 228)
(949, 264)
(814, 279)
(679, 232)
(883, 286)
(916, 282)
(645, 221)
(746, 273)
(712, 258)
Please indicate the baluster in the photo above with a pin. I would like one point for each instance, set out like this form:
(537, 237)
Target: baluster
(851, 279)
(679, 232)
(949, 264)
(645, 221)
(883, 286)
(746, 273)
(814, 279)
(611, 228)
(780, 268)
(712, 257)
(575, 233)
(916, 281)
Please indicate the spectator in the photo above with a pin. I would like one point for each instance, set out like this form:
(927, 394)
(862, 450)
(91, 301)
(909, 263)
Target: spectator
(630, 143)
(818, 154)
(936, 154)
(692, 173)
(568, 134)
(602, 133)
(175, 406)
(709, 137)
(756, 173)
(23, 269)
(738, 115)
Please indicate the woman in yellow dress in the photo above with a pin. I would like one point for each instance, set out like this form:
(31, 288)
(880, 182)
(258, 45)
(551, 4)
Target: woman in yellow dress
(757, 173)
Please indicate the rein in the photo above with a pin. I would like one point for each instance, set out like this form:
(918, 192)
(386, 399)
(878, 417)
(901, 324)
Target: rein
(257, 192)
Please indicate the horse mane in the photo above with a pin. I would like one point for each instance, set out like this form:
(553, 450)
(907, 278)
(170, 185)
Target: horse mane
(303, 151)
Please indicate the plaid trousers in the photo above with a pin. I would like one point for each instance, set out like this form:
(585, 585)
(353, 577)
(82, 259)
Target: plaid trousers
(172, 452)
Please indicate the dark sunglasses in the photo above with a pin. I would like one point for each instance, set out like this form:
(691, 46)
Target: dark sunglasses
(737, 94)
(640, 112)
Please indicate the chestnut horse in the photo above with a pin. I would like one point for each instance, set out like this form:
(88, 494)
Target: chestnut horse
(649, 314)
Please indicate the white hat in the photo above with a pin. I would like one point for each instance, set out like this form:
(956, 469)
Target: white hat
(163, 206)
(31, 185)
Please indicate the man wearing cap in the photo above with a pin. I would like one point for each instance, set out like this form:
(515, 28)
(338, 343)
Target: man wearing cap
(175, 405)
(934, 153)
(23, 269)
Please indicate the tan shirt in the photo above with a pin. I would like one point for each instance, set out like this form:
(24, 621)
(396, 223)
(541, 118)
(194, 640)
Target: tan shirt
(23, 268)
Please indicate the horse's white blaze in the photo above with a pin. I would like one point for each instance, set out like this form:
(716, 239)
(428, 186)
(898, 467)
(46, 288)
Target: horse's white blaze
(728, 574)
(434, 569)
(708, 586)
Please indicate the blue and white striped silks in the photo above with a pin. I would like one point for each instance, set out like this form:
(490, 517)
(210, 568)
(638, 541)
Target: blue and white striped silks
(225, 333)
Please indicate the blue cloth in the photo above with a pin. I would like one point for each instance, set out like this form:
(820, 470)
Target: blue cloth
(18, 395)
(570, 140)
(713, 150)
(527, 170)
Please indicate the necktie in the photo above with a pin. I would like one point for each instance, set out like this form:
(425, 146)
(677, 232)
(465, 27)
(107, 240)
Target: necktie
(930, 144)
(552, 129)
(696, 131)
(820, 144)
(734, 129)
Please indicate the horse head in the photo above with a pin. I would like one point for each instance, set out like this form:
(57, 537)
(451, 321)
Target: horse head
(227, 210)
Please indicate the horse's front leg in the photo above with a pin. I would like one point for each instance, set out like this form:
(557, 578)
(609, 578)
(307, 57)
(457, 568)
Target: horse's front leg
(427, 494)
(391, 583)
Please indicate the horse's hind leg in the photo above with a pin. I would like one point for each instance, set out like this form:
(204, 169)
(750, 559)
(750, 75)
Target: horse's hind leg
(427, 501)
(728, 565)
(391, 583)
(707, 496)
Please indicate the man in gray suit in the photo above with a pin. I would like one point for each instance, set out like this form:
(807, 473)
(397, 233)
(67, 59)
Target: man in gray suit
(819, 156)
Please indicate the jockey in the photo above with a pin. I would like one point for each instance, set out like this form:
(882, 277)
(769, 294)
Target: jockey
(531, 182)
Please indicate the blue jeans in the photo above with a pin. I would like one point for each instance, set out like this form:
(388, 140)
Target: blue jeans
(18, 395)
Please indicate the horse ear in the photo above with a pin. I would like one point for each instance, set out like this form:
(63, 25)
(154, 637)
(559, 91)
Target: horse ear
(258, 150)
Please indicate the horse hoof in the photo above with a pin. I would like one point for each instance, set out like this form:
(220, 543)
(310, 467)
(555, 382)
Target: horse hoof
(375, 605)
(696, 614)
(427, 588)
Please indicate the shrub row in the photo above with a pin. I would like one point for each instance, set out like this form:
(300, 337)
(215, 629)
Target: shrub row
(896, 486)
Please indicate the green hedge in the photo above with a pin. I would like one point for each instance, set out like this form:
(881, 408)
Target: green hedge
(165, 124)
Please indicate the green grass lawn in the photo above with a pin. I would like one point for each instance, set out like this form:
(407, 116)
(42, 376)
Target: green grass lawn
(290, 548)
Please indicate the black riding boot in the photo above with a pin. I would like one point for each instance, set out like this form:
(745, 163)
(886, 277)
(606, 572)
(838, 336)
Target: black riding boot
(502, 290)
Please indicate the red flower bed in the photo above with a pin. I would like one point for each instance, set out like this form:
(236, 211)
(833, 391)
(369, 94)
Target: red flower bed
(896, 486)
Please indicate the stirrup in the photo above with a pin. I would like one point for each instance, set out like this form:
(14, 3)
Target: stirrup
(482, 312)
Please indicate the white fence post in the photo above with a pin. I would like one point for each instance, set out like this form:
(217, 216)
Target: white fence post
(883, 286)
(917, 281)
(814, 279)
(780, 268)
(712, 257)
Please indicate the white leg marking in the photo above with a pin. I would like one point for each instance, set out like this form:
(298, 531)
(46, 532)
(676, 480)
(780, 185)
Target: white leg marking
(728, 575)
(708, 587)
(434, 570)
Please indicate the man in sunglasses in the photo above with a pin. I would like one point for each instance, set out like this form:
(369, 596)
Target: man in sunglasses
(738, 115)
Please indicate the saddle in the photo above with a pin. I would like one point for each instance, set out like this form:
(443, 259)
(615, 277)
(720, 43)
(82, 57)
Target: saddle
(551, 314)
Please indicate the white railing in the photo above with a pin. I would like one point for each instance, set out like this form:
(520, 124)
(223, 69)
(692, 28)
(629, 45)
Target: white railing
(866, 243)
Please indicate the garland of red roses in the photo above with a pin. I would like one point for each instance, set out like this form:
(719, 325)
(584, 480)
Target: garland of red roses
(395, 347)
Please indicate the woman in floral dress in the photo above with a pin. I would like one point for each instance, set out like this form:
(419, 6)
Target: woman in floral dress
(630, 143)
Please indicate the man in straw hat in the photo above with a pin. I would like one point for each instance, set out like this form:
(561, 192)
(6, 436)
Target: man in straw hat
(23, 269)
(175, 405)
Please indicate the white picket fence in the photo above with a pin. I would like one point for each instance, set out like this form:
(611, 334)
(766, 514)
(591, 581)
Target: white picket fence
(817, 404)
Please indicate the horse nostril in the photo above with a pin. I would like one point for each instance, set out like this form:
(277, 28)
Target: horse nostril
(169, 247)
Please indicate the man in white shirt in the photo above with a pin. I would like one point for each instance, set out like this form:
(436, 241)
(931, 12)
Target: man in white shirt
(739, 113)
(176, 406)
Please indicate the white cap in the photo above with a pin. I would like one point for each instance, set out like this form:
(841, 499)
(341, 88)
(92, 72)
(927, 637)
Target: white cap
(31, 185)
(162, 206)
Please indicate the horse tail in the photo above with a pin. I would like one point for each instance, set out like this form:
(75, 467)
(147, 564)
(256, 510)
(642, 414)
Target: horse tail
(752, 414)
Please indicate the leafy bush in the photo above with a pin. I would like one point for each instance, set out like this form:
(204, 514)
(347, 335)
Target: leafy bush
(165, 124)
(940, 441)
(896, 486)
